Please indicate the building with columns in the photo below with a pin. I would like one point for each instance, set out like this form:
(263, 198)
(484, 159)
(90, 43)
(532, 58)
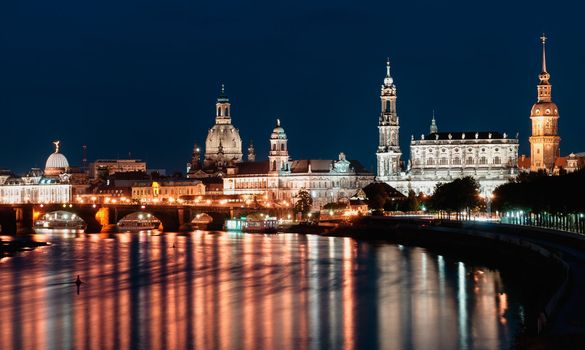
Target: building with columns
(438, 157)
(279, 179)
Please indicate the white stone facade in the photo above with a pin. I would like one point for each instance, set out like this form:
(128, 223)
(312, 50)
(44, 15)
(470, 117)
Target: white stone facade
(388, 153)
(489, 157)
(280, 179)
(439, 157)
(34, 189)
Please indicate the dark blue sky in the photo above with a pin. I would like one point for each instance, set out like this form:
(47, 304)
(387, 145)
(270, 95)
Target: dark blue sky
(142, 76)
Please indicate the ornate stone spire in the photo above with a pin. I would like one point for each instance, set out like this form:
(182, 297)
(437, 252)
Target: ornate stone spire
(544, 87)
(543, 40)
(222, 96)
(433, 128)
(388, 79)
(544, 115)
(251, 152)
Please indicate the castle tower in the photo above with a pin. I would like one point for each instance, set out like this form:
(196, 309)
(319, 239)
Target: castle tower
(388, 153)
(278, 155)
(544, 142)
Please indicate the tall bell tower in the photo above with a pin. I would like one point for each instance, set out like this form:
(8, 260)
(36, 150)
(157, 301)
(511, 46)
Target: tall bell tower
(388, 153)
(544, 142)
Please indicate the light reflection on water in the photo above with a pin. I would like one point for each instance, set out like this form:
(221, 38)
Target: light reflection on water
(232, 291)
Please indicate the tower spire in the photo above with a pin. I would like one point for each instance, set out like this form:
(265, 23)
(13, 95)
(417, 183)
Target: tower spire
(433, 128)
(388, 79)
(543, 41)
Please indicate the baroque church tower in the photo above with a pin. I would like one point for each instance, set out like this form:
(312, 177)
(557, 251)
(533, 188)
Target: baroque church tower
(278, 155)
(388, 154)
(544, 142)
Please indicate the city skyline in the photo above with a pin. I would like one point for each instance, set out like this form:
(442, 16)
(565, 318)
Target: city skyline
(158, 101)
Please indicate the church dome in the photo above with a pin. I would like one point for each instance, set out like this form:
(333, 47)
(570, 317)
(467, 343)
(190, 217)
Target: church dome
(56, 160)
(56, 163)
(544, 109)
(228, 137)
(278, 132)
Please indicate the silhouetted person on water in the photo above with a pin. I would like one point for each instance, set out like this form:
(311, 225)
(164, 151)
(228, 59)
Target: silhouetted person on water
(78, 282)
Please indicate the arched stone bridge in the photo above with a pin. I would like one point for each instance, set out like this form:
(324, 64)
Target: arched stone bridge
(19, 218)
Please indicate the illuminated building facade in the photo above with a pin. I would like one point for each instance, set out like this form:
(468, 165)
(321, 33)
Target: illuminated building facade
(53, 185)
(438, 157)
(279, 179)
(166, 190)
(544, 142)
(113, 166)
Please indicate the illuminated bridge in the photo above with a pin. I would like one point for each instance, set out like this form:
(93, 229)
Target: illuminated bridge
(20, 218)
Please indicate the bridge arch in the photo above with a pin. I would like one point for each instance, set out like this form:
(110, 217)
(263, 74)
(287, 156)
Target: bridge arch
(59, 219)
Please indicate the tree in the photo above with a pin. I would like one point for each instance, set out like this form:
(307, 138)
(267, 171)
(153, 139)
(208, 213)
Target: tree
(382, 196)
(455, 196)
(303, 203)
(411, 203)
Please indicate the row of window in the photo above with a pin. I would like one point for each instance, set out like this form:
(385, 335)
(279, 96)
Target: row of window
(164, 191)
(456, 150)
(469, 161)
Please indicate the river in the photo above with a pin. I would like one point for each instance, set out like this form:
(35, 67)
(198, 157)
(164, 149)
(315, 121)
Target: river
(220, 290)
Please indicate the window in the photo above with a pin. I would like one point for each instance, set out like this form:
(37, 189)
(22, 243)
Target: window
(483, 160)
(497, 160)
(387, 106)
(457, 161)
(282, 146)
(444, 161)
(273, 165)
(430, 161)
(274, 147)
(469, 160)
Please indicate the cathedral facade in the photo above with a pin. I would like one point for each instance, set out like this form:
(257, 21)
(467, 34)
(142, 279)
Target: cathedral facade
(439, 157)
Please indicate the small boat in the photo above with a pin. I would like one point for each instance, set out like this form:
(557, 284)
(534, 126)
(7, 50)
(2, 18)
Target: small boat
(138, 225)
(253, 223)
(268, 225)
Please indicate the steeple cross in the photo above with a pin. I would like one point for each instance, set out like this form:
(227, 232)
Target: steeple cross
(543, 39)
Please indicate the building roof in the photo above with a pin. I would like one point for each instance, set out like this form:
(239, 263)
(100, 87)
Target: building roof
(56, 160)
(523, 162)
(253, 168)
(163, 183)
(469, 135)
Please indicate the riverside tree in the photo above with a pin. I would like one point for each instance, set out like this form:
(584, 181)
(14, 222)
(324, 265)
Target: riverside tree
(456, 196)
(303, 203)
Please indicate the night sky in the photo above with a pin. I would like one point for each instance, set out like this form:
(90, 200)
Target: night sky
(142, 76)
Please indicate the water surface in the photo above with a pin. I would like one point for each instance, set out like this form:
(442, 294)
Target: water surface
(239, 291)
